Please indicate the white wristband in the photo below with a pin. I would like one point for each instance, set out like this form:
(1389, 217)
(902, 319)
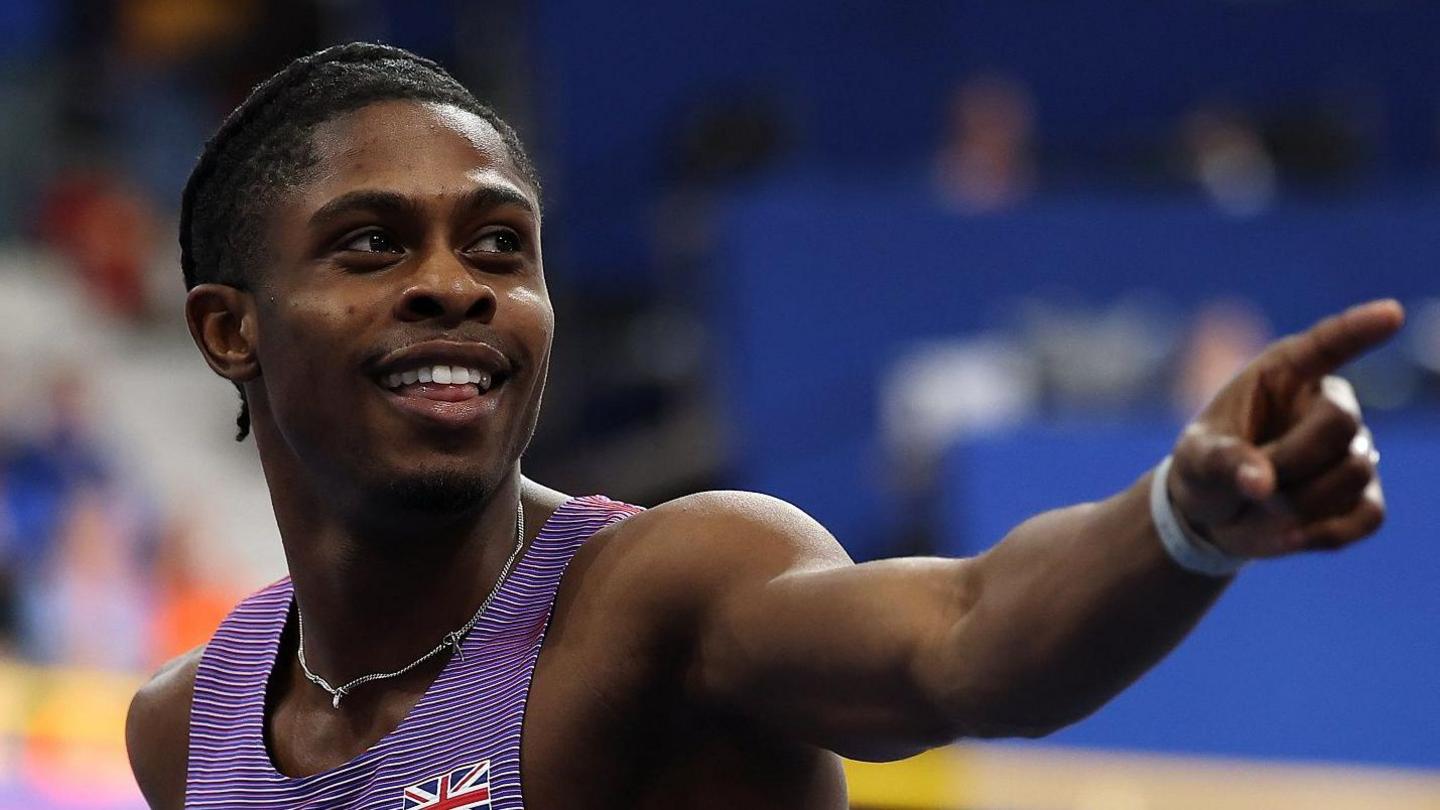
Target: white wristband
(1188, 551)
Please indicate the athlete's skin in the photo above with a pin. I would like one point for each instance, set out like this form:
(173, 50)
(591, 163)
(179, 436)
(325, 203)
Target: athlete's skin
(715, 650)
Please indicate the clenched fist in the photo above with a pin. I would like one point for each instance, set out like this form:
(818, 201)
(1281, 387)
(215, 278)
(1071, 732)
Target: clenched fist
(1281, 461)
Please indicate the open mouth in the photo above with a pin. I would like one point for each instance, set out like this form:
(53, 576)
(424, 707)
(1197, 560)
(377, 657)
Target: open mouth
(444, 395)
(442, 383)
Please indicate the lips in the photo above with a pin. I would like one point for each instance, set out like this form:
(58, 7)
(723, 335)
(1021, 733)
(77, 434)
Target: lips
(439, 376)
(447, 383)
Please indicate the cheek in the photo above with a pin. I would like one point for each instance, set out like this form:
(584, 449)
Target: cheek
(537, 319)
(310, 337)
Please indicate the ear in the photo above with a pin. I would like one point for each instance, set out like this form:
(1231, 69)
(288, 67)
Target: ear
(223, 324)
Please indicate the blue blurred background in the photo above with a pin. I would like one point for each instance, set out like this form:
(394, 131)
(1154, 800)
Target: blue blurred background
(923, 268)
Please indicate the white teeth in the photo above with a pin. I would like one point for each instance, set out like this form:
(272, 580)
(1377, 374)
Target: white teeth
(443, 375)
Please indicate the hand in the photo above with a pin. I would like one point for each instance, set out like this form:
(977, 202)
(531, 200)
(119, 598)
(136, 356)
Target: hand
(1280, 460)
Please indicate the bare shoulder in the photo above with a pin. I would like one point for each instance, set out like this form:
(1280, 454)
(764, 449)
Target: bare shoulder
(655, 578)
(747, 522)
(157, 731)
(711, 539)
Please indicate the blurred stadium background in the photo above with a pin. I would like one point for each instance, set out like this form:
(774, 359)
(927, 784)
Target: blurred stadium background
(923, 268)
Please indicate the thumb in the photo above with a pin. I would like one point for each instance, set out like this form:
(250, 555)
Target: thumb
(1217, 473)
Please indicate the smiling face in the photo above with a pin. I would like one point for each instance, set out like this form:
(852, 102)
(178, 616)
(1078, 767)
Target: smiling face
(401, 326)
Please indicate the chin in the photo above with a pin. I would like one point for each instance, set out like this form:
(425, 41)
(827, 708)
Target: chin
(442, 492)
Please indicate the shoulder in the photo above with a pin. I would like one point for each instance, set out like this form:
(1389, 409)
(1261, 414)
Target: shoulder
(732, 521)
(696, 545)
(157, 730)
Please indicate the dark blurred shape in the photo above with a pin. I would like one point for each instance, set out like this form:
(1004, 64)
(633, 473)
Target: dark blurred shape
(987, 160)
(726, 137)
(718, 141)
(635, 409)
(1245, 159)
(1225, 155)
(1322, 145)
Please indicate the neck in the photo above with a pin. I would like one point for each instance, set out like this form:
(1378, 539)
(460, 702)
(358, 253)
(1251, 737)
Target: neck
(377, 594)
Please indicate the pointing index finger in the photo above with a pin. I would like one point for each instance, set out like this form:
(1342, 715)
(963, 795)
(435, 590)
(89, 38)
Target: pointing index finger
(1338, 339)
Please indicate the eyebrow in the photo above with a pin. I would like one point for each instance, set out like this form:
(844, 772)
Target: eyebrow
(395, 203)
(366, 200)
(486, 197)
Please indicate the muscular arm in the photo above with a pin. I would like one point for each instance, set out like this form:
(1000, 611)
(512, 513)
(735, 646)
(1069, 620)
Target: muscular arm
(157, 732)
(888, 658)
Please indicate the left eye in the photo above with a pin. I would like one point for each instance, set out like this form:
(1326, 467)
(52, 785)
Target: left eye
(495, 242)
(372, 242)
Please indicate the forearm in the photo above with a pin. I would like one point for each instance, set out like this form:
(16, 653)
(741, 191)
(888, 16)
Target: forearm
(894, 656)
(1071, 607)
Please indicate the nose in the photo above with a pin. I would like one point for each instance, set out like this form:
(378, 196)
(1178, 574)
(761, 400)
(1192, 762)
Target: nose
(444, 289)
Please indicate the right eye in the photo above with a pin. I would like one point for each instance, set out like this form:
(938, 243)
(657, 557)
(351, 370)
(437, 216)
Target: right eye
(371, 242)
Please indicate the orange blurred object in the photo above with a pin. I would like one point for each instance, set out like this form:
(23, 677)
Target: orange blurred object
(189, 605)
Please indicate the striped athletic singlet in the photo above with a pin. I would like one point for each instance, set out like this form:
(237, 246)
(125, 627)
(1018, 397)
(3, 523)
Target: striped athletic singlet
(457, 749)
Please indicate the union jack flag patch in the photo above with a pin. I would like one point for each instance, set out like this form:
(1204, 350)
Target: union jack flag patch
(466, 788)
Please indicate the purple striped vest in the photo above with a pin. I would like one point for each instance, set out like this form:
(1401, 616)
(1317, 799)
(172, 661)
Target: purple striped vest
(457, 749)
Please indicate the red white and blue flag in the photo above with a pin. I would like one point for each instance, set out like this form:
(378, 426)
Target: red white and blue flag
(464, 788)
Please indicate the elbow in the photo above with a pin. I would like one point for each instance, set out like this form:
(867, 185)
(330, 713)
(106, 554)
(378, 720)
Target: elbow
(998, 724)
(1004, 711)
(1032, 728)
(980, 678)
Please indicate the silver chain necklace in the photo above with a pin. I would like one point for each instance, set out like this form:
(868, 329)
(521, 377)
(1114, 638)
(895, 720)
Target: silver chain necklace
(451, 640)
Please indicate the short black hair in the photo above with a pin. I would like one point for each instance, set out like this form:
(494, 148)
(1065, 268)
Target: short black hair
(264, 147)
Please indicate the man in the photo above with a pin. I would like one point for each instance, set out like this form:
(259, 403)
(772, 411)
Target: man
(361, 241)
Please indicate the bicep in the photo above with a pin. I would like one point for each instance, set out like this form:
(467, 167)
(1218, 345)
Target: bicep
(806, 643)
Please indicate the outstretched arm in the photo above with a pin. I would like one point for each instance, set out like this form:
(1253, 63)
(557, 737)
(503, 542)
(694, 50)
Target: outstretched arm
(884, 659)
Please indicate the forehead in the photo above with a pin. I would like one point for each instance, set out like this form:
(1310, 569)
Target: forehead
(419, 149)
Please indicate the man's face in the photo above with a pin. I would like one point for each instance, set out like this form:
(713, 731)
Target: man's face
(404, 327)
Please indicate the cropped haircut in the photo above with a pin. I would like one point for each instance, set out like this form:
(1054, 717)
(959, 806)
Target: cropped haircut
(264, 147)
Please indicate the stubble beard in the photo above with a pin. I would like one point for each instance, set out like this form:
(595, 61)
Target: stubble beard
(440, 493)
(451, 492)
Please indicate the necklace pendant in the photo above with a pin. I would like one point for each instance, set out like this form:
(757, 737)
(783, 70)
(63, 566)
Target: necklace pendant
(335, 699)
(453, 639)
